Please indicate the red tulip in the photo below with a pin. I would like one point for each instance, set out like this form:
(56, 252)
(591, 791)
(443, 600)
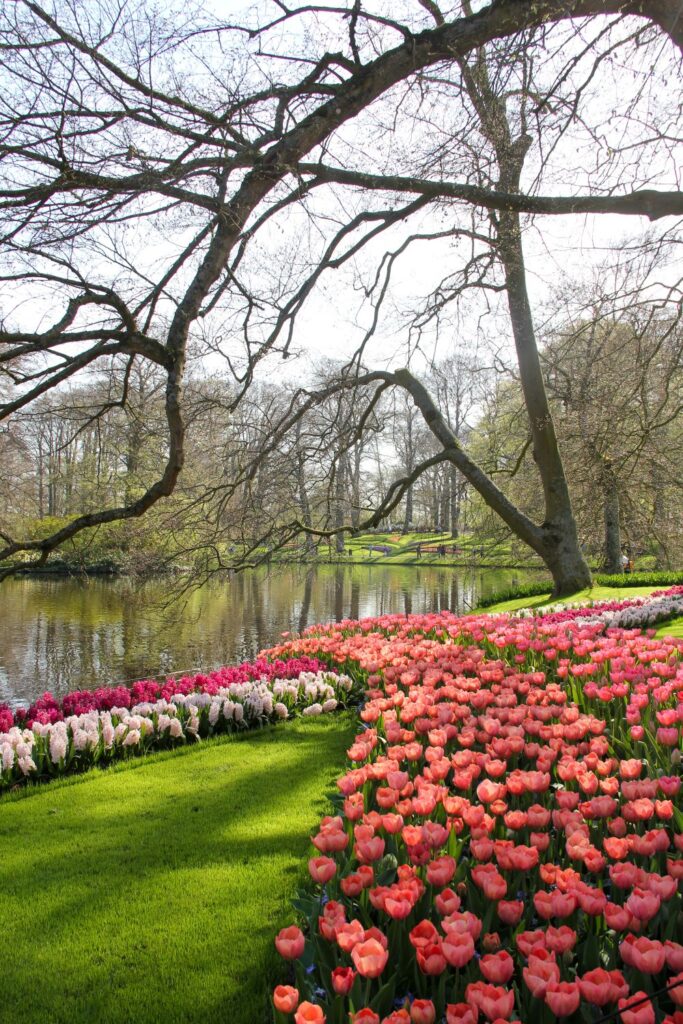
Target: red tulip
(342, 980)
(364, 1016)
(595, 987)
(510, 911)
(349, 935)
(497, 968)
(370, 958)
(646, 955)
(538, 975)
(563, 997)
(676, 989)
(322, 869)
(368, 850)
(458, 948)
(492, 1001)
(447, 902)
(309, 1013)
(285, 998)
(441, 871)
(351, 886)
(561, 939)
(423, 934)
(422, 1011)
(642, 1014)
(431, 959)
(461, 1013)
(642, 904)
(290, 942)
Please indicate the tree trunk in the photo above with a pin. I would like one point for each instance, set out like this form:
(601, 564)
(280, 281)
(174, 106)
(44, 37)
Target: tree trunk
(132, 458)
(556, 543)
(408, 467)
(445, 509)
(563, 555)
(41, 480)
(611, 513)
(304, 504)
(566, 563)
(559, 543)
(355, 486)
(454, 487)
(659, 516)
(338, 520)
(408, 517)
(435, 507)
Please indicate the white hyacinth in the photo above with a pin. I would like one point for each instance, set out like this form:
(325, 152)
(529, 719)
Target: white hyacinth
(59, 743)
(313, 709)
(26, 764)
(247, 703)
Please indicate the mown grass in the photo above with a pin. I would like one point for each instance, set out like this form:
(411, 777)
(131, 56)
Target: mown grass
(590, 594)
(153, 892)
(402, 549)
(673, 627)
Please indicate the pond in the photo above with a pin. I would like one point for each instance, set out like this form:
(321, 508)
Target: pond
(67, 634)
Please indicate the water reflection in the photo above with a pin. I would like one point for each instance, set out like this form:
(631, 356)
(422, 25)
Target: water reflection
(62, 635)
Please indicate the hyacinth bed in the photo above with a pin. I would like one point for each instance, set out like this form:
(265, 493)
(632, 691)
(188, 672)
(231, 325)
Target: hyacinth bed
(87, 728)
(508, 836)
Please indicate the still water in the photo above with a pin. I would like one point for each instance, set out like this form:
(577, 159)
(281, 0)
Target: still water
(68, 634)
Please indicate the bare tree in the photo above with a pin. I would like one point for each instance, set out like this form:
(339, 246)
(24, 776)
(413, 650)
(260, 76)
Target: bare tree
(146, 159)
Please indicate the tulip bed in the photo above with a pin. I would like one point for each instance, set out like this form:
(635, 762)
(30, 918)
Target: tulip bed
(508, 842)
(89, 728)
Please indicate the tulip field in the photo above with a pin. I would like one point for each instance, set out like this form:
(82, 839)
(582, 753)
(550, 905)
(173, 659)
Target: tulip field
(507, 842)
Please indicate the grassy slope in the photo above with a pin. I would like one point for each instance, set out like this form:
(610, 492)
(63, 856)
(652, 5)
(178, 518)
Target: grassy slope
(593, 594)
(674, 627)
(402, 549)
(152, 892)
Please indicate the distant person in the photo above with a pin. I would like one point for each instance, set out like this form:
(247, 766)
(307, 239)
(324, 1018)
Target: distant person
(625, 562)
(441, 551)
(418, 551)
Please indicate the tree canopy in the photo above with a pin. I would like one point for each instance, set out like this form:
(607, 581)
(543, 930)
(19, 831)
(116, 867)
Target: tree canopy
(176, 185)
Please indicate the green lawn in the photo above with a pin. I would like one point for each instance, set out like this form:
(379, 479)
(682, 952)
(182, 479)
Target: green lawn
(152, 892)
(591, 594)
(403, 549)
(674, 627)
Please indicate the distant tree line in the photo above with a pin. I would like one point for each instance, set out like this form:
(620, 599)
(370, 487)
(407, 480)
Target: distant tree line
(615, 387)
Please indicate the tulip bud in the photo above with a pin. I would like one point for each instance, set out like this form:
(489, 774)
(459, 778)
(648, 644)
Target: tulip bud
(491, 942)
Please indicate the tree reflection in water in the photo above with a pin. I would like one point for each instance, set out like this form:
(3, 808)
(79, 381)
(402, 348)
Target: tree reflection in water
(62, 635)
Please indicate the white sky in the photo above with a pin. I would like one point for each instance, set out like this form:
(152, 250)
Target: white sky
(556, 248)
